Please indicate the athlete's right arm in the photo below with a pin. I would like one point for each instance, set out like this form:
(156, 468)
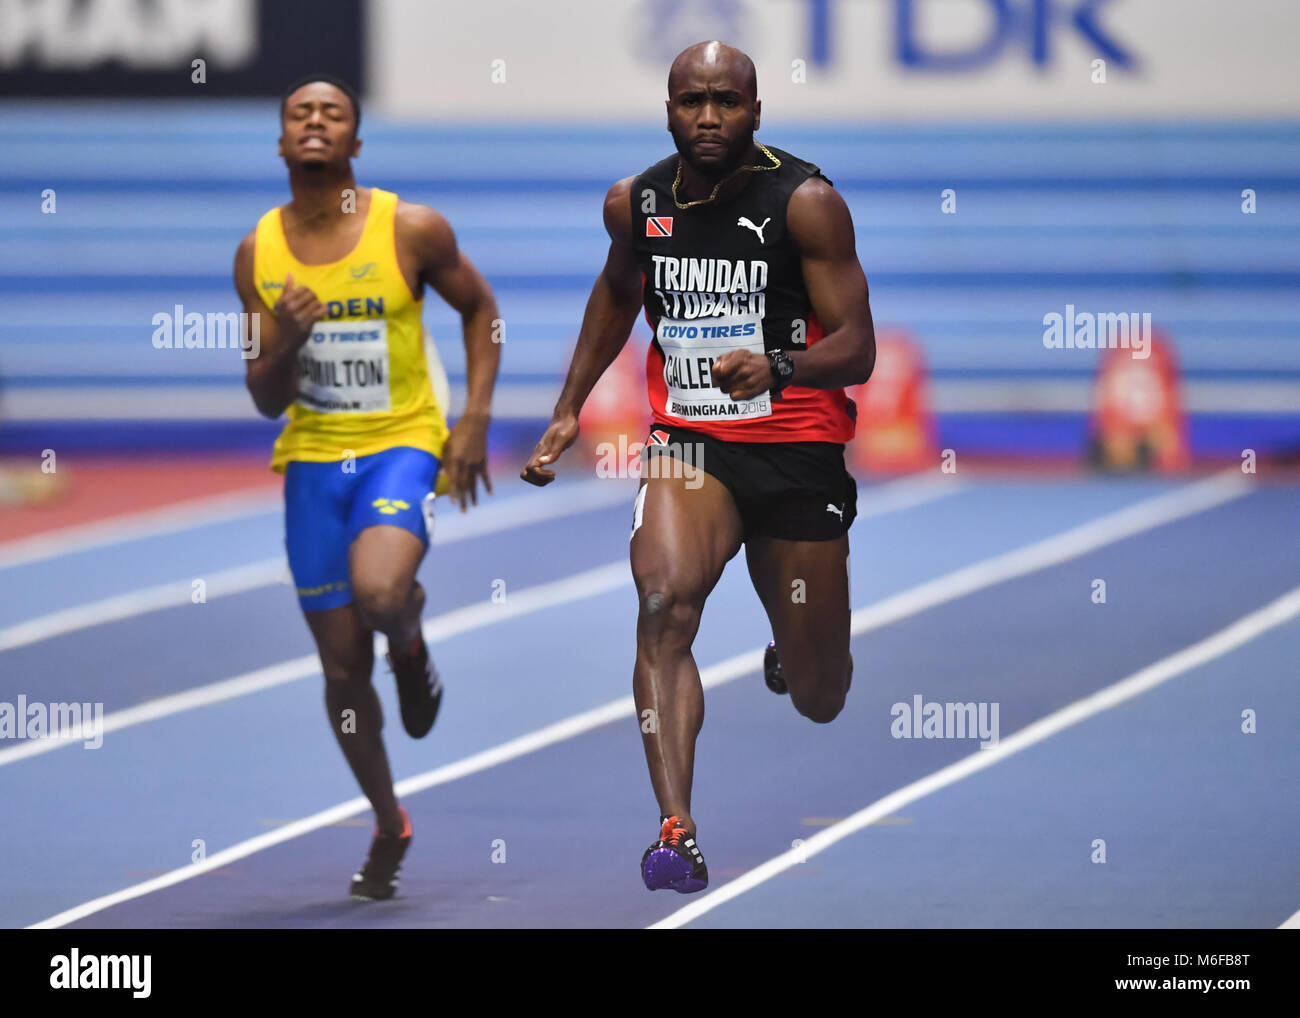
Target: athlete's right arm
(272, 375)
(612, 308)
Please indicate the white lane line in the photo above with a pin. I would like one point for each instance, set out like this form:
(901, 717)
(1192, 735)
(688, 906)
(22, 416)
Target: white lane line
(1194, 499)
(450, 527)
(521, 746)
(904, 493)
(238, 505)
(169, 519)
(1127, 522)
(518, 511)
(1245, 629)
(535, 505)
(141, 602)
(441, 627)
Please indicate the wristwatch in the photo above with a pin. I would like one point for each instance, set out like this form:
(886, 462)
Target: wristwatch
(782, 369)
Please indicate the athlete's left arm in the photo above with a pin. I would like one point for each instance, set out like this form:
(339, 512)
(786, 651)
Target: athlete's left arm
(439, 262)
(821, 227)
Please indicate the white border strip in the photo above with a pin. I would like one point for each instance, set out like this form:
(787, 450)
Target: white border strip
(1161, 509)
(1282, 610)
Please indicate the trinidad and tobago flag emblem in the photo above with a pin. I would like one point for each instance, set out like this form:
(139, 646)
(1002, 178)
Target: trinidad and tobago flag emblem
(659, 226)
(658, 438)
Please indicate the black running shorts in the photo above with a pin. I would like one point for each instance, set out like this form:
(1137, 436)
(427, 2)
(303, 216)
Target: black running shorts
(793, 491)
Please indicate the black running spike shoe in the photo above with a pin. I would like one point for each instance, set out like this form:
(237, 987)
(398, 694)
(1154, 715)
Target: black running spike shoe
(674, 862)
(377, 879)
(772, 671)
(419, 689)
(776, 681)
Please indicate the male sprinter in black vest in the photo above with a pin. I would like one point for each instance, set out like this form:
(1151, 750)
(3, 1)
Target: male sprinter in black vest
(743, 257)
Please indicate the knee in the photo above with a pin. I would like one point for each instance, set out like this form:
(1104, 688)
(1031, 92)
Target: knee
(823, 703)
(344, 683)
(821, 710)
(381, 602)
(669, 610)
(348, 669)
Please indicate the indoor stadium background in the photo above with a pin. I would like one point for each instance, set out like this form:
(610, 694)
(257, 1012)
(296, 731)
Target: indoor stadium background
(1003, 160)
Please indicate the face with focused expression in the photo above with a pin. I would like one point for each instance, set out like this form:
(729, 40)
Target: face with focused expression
(318, 128)
(713, 107)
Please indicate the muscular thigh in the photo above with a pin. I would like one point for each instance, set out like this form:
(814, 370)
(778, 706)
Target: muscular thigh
(389, 520)
(384, 558)
(684, 531)
(804, 586)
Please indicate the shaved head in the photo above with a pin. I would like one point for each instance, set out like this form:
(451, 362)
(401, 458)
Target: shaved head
(713, 59)
(713, 109)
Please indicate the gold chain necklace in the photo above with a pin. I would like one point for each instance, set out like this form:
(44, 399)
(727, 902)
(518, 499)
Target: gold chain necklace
(776, 165)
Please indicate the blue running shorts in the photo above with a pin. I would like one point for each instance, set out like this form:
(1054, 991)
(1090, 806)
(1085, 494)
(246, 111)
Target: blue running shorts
(326, 507)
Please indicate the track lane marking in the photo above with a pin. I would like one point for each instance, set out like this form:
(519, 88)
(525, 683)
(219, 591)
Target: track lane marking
(1115, 526)
(1245, 629)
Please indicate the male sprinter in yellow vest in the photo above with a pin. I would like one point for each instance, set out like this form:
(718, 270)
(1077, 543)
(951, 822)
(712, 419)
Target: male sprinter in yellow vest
(337, 277)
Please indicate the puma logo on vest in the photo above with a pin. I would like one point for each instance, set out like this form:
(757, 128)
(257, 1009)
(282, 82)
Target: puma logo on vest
(744, 221)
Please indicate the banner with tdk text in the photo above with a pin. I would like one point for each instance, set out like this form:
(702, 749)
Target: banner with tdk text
(600, 60)
(175, 48)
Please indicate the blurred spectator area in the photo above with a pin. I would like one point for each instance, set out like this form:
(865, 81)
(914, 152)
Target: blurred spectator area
(152, 201)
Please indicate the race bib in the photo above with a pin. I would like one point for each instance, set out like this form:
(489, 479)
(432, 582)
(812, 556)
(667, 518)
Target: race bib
(343, 368)
(690, 348)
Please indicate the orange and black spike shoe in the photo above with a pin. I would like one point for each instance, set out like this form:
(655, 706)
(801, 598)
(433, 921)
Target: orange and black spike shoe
(674, 862)
(377, 879)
